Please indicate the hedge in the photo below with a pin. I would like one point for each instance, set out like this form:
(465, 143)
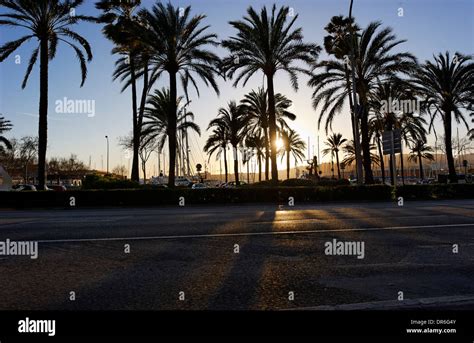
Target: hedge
(275, 195)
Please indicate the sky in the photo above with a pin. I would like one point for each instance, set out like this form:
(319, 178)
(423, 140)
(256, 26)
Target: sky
(429, 26)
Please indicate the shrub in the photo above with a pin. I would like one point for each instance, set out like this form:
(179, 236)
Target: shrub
(94, 181)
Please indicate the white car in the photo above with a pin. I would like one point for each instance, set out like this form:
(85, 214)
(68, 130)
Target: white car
(199, 186)
(182, 181)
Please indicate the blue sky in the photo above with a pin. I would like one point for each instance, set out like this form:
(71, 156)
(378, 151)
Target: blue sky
(430, 26)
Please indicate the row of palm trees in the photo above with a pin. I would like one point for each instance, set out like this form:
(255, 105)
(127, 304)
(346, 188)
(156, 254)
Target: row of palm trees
(245, 126)
(168, 40)
(444, 87)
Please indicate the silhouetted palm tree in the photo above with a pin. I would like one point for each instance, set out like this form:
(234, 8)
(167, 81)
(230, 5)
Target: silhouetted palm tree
(128, 32)
(334, 143)
(257, 143)
(419, 150)
(257, 108)
(374, 62)
(179, 44)
(392, 106)
(217, 143)
(268, 43)
(294, 146)
(5, 125)
(447, 87)
(338, 44)
(233, 120)
(349, 154)
(49, 22)
(156, 125)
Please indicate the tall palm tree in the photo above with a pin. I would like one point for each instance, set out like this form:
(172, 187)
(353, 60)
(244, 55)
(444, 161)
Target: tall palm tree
(178, 42)
(233, 120)
(5, 125)
(156, 125)
(267, 42)
(257, 143)
(338, 44)
(294, 146)
(419, 150)
(257, 106)
(375, 61)
(391, 104)
(350, 157)
(49, 22)
(334, 143)
(128, 31)
(446, 86)
(217, 142)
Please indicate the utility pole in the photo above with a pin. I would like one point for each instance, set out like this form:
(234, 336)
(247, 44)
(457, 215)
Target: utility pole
(107, 138)
(355, 113)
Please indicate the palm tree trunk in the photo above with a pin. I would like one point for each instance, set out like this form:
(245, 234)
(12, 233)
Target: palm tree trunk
(288, 164)
(449, 148)
(403, 168)
(351, 104)
(43, 112)
(364, 128)
(382, 163)
(338, 166)
(421, 167)
(259, 169)
(225, 165)
(248, 171)
(172, 128)
(267, 153)
(144, 171)
(272, 127)
(136, 138)
(236, 165)
(143, 99)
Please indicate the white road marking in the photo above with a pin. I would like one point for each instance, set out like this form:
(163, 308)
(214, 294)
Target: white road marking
(456, 300)
(239, 234)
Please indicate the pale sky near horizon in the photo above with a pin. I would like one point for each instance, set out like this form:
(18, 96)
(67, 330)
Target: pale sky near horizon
(430, 26)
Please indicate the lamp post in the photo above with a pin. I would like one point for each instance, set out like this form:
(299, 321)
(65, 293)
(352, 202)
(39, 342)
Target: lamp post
(107, 138)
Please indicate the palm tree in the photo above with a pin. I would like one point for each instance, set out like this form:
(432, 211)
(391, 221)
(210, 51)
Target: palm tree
(338, 44)
(128, 32)
(446, 86)
(50, 22)
(257, 106)
(294, 146)
(374, 62)
(350, 157)
(268, 43)
(419, 151)
(233, 120)
(217, 143)
(5, 125)
(178, 42)
(334, 143)
(258, 144)
(385, 116)
(156, 125)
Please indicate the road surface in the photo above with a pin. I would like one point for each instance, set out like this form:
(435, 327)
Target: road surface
(241, 257)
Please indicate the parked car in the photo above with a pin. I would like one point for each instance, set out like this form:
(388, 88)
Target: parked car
(57, 188)
(24, 188)
(46, 188)
(182, 181)
(199, 186)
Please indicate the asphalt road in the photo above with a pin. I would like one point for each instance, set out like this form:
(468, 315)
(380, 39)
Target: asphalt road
(192, 249)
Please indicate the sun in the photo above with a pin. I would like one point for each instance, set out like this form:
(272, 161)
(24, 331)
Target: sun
(279, 143)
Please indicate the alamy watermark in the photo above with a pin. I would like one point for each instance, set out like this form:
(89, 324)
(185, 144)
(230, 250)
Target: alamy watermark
(76, 106)
(347, 248)
(19, 248)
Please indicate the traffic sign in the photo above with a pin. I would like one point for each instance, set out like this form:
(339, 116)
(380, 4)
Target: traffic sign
(387, 142)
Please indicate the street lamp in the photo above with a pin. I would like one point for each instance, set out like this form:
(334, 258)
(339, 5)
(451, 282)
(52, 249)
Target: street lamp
(107, 138)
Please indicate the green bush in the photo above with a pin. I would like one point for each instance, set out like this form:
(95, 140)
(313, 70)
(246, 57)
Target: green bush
(94, 181)
(273, 195)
